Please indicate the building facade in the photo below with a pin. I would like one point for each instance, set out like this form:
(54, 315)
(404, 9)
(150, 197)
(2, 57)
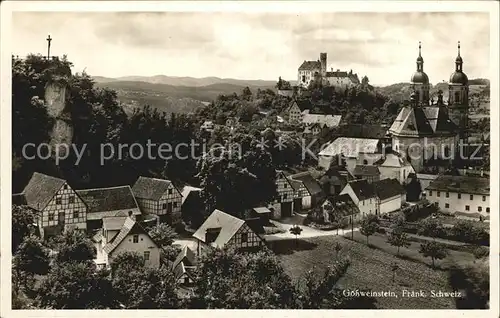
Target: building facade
(158, 197)
(283, 205)
(363, 195)
(60, 207)
(464, 196)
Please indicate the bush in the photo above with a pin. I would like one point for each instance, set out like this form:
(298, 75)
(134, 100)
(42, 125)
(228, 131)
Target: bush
(481, 252)
(381, 230)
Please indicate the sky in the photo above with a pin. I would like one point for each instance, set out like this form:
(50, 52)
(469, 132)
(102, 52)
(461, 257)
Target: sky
(253, 45)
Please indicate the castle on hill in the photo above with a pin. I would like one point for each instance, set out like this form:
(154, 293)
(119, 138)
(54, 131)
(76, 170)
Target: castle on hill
(310, 70)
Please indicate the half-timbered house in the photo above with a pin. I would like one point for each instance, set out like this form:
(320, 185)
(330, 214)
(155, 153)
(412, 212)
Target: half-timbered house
(221, 230)
(159, 197)
(60, 207)
(283, 205)
(108, 202)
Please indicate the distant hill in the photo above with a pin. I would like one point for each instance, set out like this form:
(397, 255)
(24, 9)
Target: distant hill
(169, 98)
(401, 91)
(186, 81)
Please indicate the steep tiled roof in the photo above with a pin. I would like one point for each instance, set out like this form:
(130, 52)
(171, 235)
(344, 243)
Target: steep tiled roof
(41, 189)
(310, 66)
(362, 189)
(108, 199)
(130, 226)
(150, 188)
(186, 254)
(462, 184)
(302, 104)
(388, 188)
(350, 147)
(309, 182)
(366, 170)
(228, 225)
(412, 122)
(187, 190)
(329, 121)
(440, 121)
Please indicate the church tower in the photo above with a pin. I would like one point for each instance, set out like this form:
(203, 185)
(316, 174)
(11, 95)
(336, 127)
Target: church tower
(420, 81)
(458, 101)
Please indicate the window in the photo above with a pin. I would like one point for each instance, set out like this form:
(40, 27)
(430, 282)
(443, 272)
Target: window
(136, 238)
(164, 206)
(303, 78)
(460, 195)
(365, 162)
(75, 214)
(438, 194)
(457, 97)
(446, 205)
(58, 201)
(484, 198)
(447, 194)
(51, 216)
(472, 197)
(244, 237)
(430, 193)
(170, 191)
(71, 199)
(467, 208)
(146, 255)
(285, 185)
(479, 208)
(65, 187)
(488, 210)
(284, 197)
(175, 204)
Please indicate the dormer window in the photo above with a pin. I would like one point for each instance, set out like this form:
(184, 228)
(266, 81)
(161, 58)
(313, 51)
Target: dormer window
(212, 234)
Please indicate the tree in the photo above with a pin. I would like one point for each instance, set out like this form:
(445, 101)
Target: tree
(430, 227)
(163, 234)
(434, 250)
(227, 279)
(23, 224)
(481, 252)
(365, 80)
(369, 226)
(296, 230)
(246, 94)
(74, 245)
(31, 258)
(399, 239)
(76, 285)
(337, 247)
(126, 262)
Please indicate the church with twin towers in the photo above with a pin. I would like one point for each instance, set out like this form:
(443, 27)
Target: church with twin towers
(431, 133)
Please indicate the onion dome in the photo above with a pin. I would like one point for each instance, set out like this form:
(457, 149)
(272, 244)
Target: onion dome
(459, 77)
(419, 77)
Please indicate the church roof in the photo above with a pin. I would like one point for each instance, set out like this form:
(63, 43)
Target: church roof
(310, 66)
(439, 120)
(459, 78)
(411, 122)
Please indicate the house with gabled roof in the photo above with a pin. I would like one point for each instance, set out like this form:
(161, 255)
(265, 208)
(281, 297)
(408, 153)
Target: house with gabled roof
(391, 195)
(296, 110)
(363, 195)
(350, 151)
(184, 267)
(308, 192)
(59, 206)
(395, 166)
(283, 205)
(108, 202)
(159, 197)
(120, 235)
(222, 230)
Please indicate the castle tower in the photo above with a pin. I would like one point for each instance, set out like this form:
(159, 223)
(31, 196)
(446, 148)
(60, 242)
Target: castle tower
(420, 80)
(322, 58)
(458, 101)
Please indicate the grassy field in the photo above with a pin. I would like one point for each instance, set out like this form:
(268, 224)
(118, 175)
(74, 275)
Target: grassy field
(371, 269)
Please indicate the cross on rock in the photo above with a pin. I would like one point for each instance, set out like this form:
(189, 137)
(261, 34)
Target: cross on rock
(49, 39)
